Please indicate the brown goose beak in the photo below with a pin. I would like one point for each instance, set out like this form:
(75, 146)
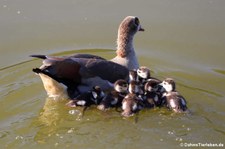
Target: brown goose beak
(141, 29)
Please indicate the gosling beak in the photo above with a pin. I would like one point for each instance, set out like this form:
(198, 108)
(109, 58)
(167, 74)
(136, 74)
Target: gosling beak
(141, 29)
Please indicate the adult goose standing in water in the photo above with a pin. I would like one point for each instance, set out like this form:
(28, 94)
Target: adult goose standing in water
(67, 77)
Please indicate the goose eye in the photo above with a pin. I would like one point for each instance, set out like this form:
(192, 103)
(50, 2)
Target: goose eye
(136, 21)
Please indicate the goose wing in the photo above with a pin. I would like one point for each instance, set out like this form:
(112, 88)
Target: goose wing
(73, 69)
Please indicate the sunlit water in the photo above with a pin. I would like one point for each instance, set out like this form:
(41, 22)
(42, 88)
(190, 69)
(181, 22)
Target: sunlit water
(183, 40)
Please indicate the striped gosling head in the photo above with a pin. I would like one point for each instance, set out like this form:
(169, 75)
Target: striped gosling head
(121, 86)
(169, 85)
(143, 72)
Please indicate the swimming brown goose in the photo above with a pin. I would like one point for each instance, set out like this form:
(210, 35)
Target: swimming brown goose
(69, 76)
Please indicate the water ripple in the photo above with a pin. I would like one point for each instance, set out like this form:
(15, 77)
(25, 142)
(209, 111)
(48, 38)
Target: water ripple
(11, 66)
(202, 90)
(3, 134)
(222, 72)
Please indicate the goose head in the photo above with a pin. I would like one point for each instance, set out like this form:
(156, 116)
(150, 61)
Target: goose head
(127, 29)
(121, 86)
(130, 26)
(143, 72)
(169, 85)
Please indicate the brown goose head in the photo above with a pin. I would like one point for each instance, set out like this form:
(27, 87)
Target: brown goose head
(127, 29)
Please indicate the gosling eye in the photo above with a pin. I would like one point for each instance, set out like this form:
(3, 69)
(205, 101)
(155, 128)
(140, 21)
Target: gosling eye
(125, 85)
(136, 21)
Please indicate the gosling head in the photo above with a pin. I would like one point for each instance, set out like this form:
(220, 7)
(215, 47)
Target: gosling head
(169, 85)
(121, 86)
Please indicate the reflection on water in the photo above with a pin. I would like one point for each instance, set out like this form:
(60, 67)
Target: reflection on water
(219, 71)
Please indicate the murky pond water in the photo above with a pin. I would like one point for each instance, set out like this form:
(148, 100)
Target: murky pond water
(183, 40)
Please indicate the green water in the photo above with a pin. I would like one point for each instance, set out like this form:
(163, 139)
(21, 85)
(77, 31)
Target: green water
(182, 39)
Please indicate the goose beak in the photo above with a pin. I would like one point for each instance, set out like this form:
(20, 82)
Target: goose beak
(141, 29)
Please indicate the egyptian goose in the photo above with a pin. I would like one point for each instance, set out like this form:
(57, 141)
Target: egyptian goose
(94, 96)
(115, 97)
(132, 102)
(174, 101)
(151, 97)
(67, 77)
(129, 105)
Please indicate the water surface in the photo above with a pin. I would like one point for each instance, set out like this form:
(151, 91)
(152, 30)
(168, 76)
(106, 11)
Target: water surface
(183, 40)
